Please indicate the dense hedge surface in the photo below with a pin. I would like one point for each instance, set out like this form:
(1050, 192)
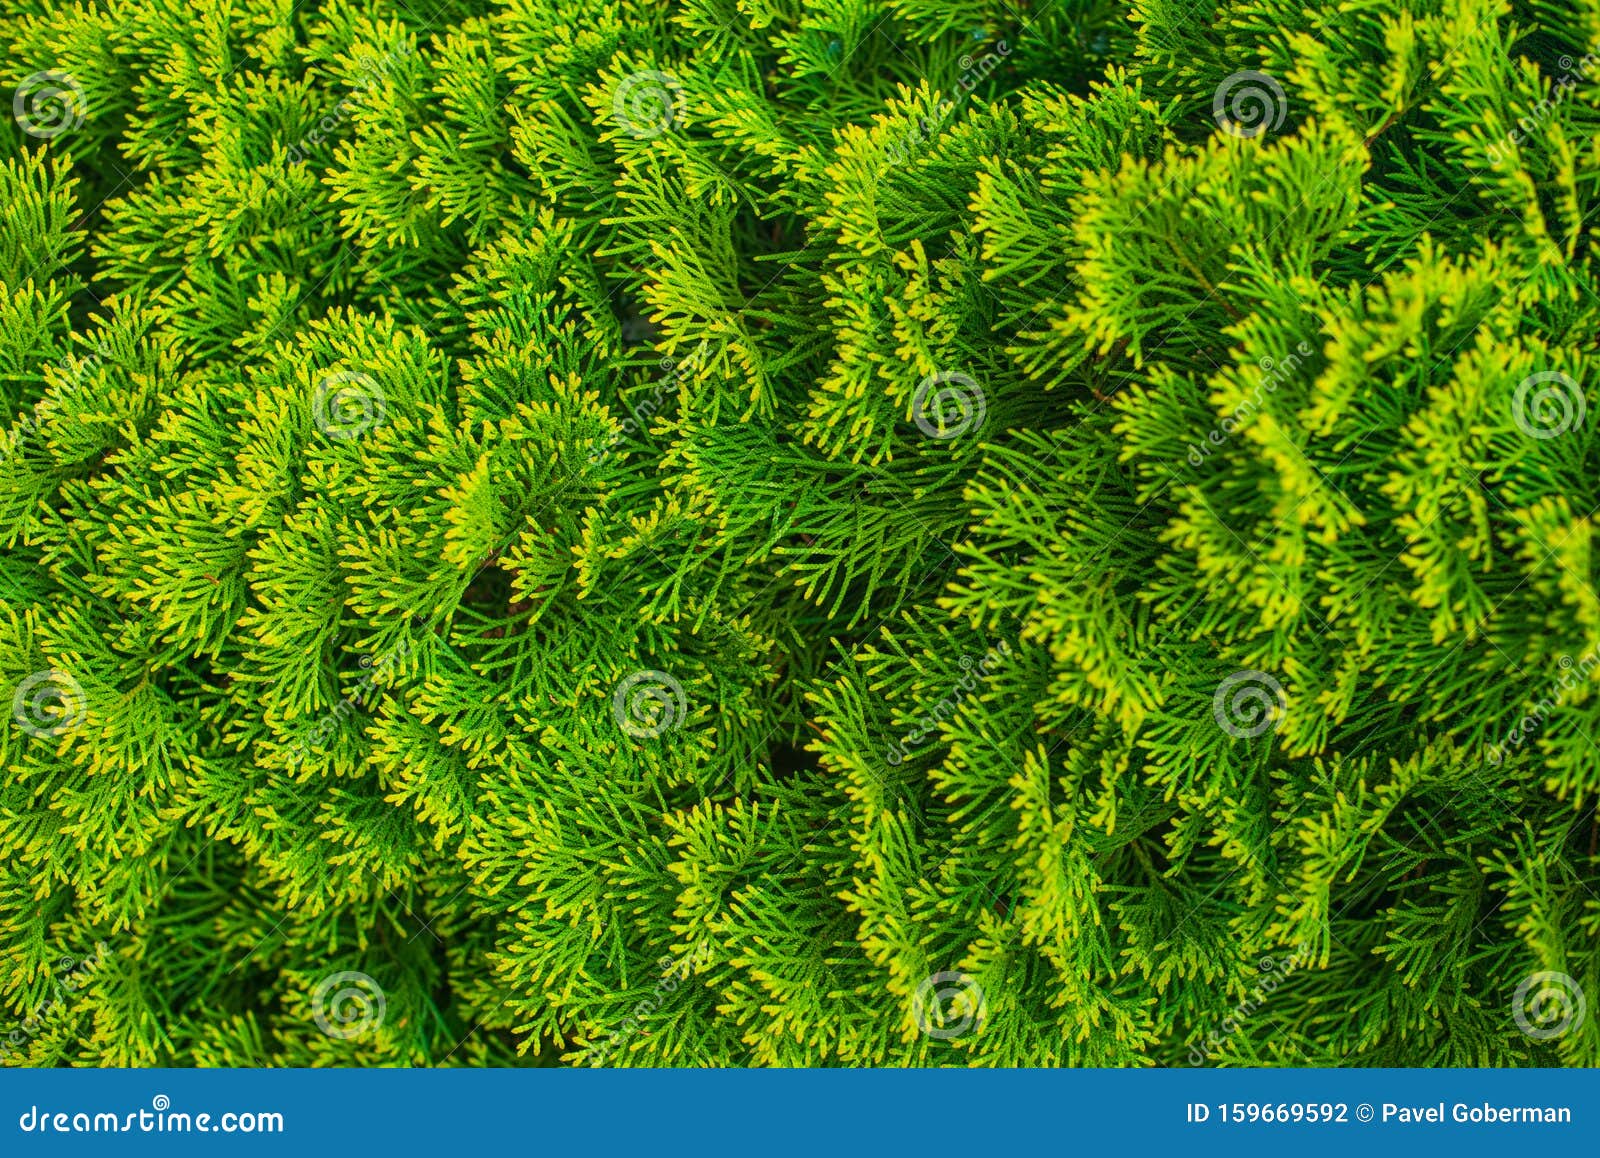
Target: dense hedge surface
(799, 532)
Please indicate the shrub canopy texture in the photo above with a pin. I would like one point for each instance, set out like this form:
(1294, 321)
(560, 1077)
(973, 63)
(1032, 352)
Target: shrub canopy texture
(799, 532)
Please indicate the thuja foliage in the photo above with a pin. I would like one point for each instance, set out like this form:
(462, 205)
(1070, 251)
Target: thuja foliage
(799, 532)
